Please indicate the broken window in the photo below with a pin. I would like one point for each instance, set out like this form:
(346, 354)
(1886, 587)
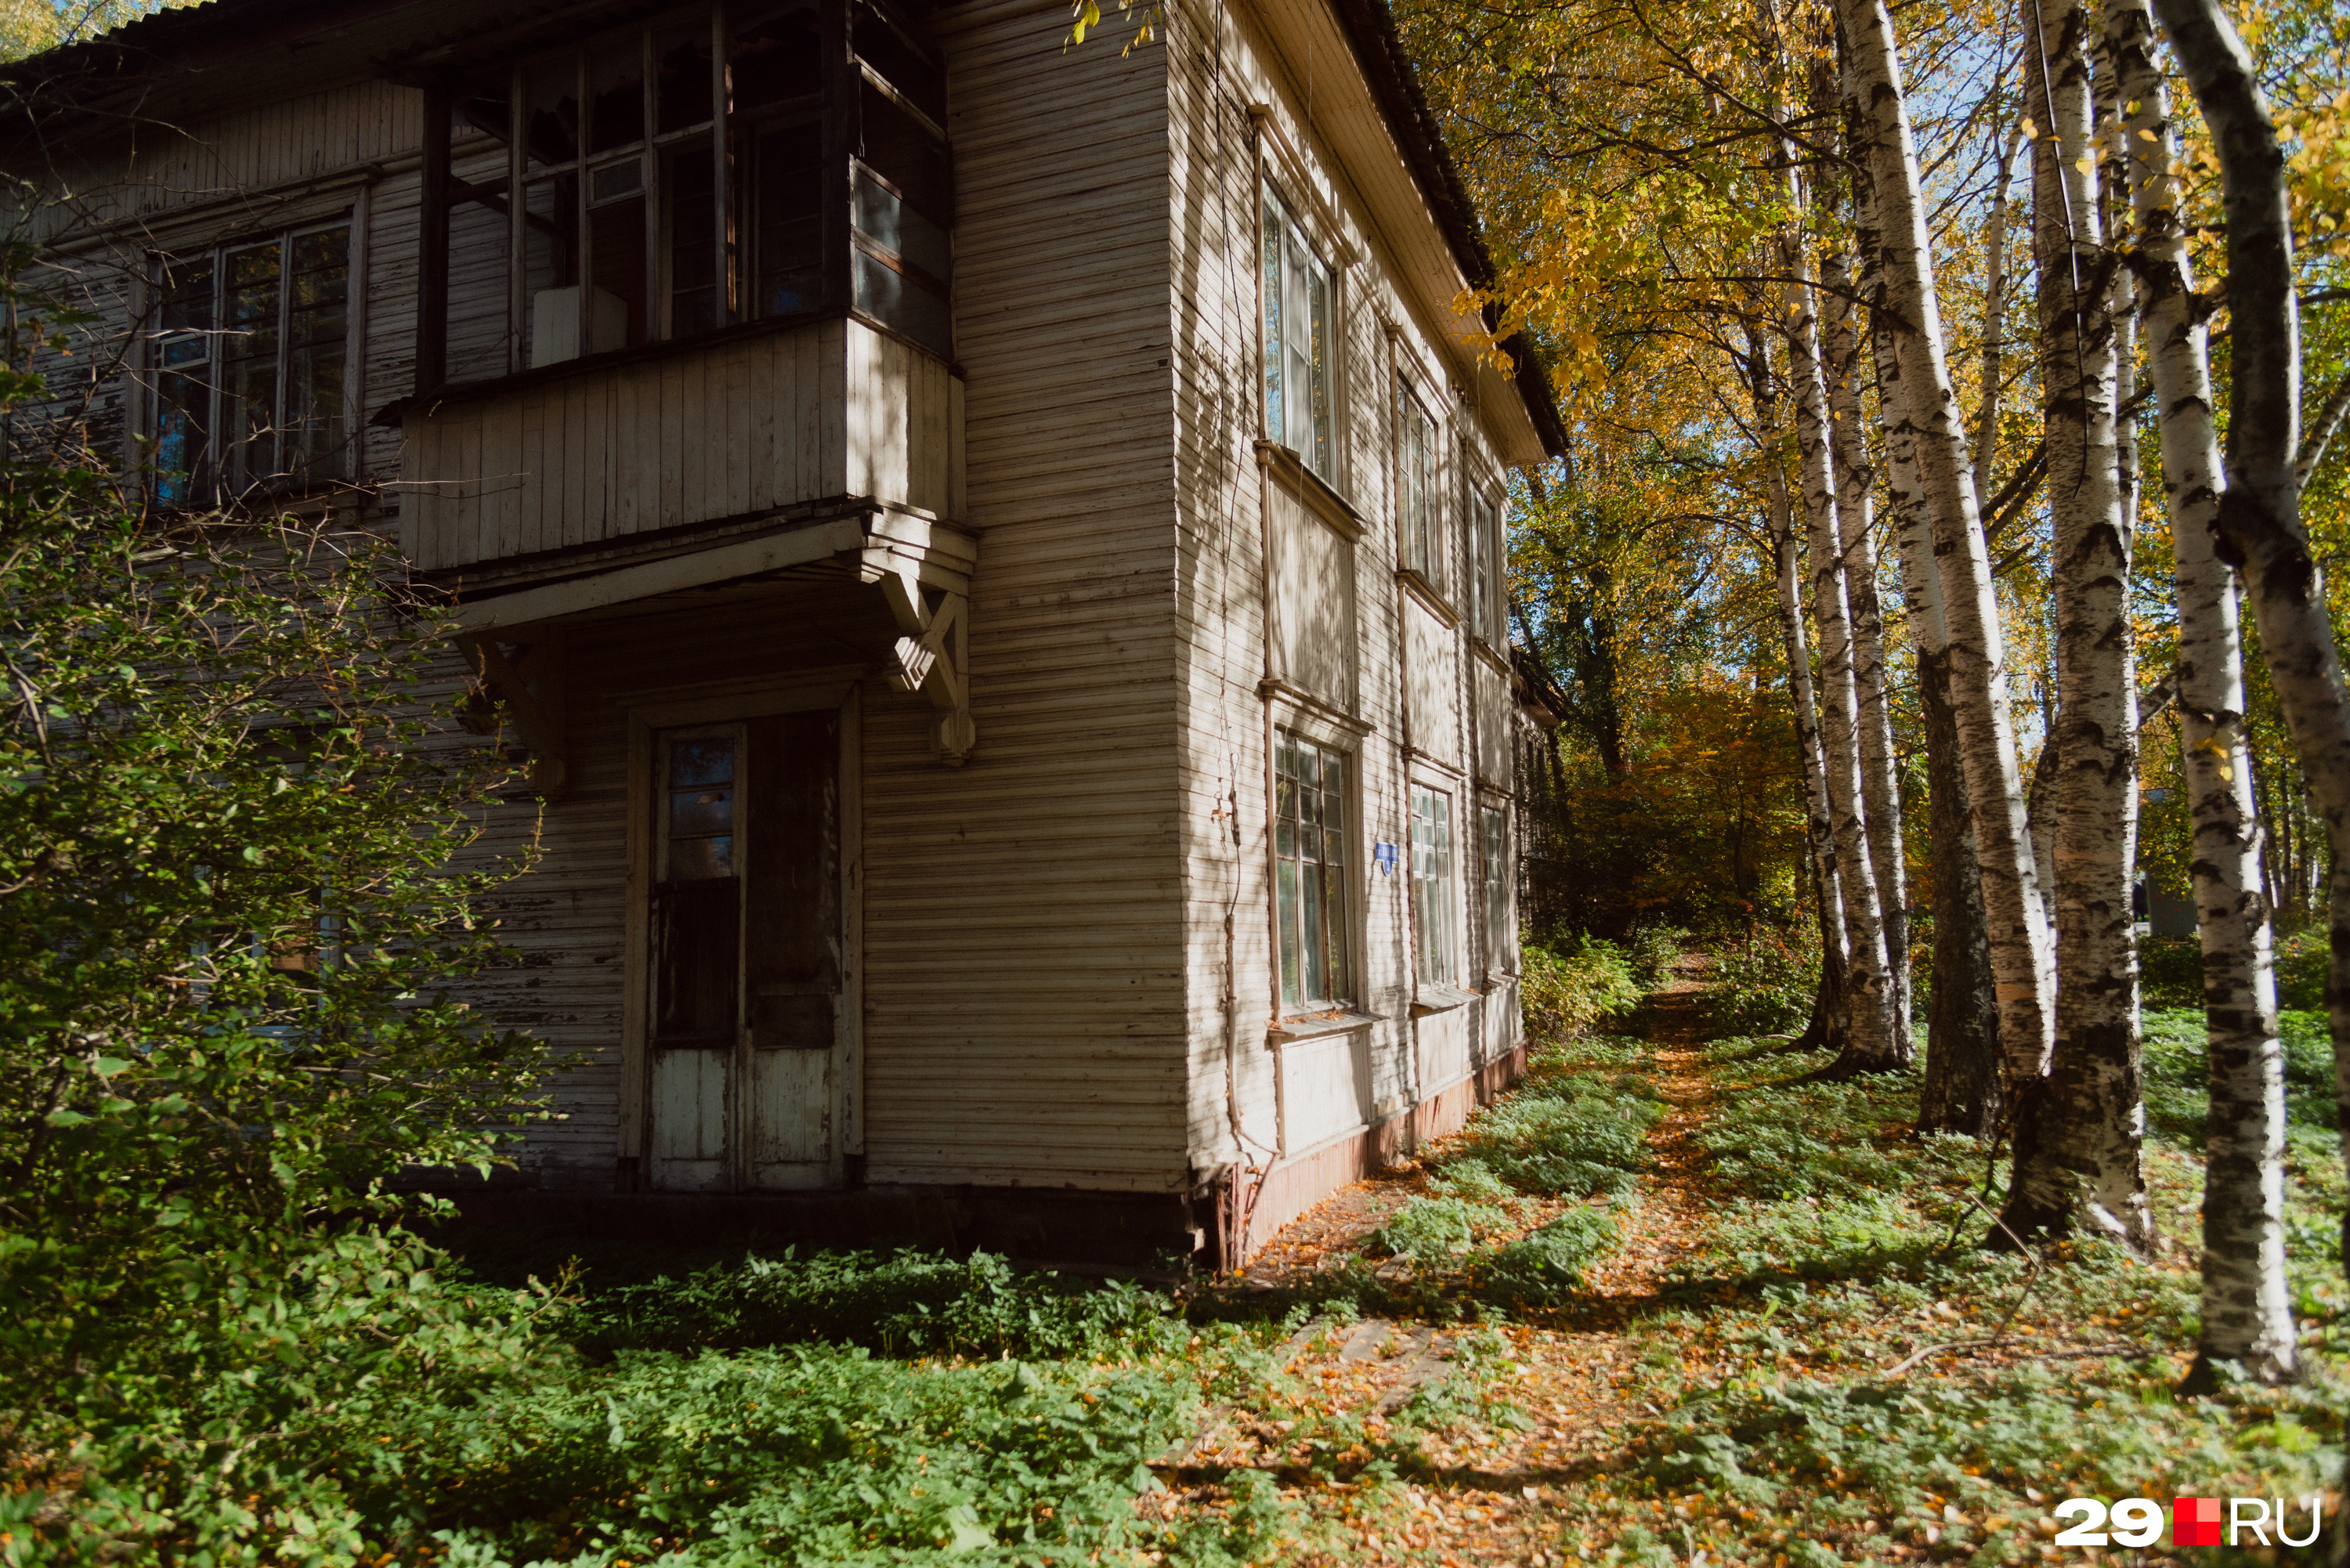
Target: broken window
(1309, 849)
(248, 365)
(690, 174)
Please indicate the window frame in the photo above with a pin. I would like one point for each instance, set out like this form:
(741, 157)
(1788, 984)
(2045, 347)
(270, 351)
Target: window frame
(1488, 562)
(1338, 928)
(1272, 338)
(846, 79)
(1498, 874)
(1435, 881)
(1419, 485)
(209, 482)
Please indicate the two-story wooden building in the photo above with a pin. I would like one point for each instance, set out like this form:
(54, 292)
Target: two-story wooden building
(995, 551)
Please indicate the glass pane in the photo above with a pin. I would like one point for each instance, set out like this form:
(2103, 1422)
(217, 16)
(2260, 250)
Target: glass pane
(774, 60)
(899, 63)
(484, 113)
(188, 297)
(700, 859)
(1284, 837)
(683, 88)
(1334, 900)
(700, 811)
(315, 416)
(902, 303)
(1270, 289)
(787, 229)
(896, 226)
(551, 102)
(895, 146)
(249, 414)
(616, 90)
(1318, 305)
(1284, 798)
(702, 760)
(1317, 974)
(1285, 881)
(689, 230)
(182, 432)
(616, 263)
(548, 281)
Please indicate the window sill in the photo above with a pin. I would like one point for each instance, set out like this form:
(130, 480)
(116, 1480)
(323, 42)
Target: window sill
(1490, 655)
(1416, 582)
(1317, 492)
(1314, 1026)
(1435, 999)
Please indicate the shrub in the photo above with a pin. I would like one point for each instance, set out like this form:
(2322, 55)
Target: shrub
(1551, 1263)
(1437, 1230)
(2300, 969)
(2170, 972)
(908, 1303)
(1568, 990)
(1763, 983)
(1655, 951)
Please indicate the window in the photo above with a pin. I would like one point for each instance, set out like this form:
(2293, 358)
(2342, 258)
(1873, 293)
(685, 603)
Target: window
(1310, 871)
(1500, 929)
(250, 349)
(1431, 885)
(1488, 609)
(1418, 504)
(700, 186)
(1297, 341)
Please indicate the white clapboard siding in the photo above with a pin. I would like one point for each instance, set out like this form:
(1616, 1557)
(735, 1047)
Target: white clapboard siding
(1023, 981)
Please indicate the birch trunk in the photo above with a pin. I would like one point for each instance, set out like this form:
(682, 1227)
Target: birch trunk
(2247, 1309)
(2078, 1162)
(1880, 783)
(1994, 343)
(1870, 1047)
(2257, 517)
(1829, 1025)
(1978, 654)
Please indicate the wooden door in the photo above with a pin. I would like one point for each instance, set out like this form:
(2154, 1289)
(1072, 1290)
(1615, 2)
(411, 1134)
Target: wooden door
(746, 953)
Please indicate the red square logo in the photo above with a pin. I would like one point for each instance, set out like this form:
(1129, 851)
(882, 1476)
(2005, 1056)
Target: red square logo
(2195, 1521)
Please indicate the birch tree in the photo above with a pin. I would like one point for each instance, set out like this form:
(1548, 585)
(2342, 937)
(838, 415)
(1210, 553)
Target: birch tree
(1978, 655)
(2258, 518)
(2079, 1131)
(1871, 1047)
(1856, 484)
(2247, 1310)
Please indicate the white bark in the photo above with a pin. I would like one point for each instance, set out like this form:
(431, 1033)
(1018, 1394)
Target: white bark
(1819, 830)
(2019, 945)
(1880, 784)
(2247, 1308)
(2257, 517)
(2078, 1160)
(1867, 1003)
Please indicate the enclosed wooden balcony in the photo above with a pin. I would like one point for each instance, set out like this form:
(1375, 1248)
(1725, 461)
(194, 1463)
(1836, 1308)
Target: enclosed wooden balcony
(705, 441)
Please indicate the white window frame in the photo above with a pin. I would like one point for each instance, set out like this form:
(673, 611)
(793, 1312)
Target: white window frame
(1488, 577)
(1435, 884)
(1498, 877)
(1337, 926)
(180, 352)
(1289, 268)
(1418, 485)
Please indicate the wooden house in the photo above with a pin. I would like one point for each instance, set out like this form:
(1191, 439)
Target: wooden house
(994, 549)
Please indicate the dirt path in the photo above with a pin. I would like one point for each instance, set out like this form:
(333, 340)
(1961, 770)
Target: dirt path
(1576, 1377)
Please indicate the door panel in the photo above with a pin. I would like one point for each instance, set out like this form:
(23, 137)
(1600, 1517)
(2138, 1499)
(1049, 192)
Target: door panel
(689, 1119)
(791, 1118)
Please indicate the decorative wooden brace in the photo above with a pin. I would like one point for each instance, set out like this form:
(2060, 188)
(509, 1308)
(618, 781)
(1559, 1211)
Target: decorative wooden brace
(933, 656)
(528, 682)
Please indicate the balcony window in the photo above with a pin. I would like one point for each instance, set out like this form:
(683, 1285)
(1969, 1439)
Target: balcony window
(683, 176)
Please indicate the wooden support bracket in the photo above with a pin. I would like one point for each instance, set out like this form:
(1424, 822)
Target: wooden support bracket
(933, 656)
(527, 683)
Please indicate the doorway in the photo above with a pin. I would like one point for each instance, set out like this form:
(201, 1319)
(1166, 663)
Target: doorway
(746, 953)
